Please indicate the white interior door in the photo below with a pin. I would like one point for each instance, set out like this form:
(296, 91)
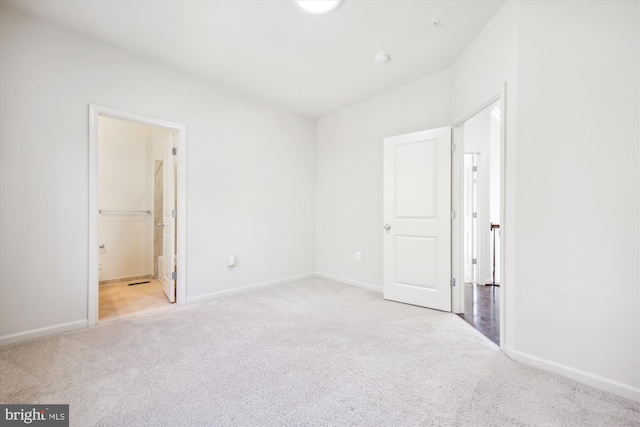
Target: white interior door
(169, 220)
(417, 230)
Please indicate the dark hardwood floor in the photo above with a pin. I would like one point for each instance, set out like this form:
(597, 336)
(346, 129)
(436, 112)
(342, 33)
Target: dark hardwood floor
(482, 309)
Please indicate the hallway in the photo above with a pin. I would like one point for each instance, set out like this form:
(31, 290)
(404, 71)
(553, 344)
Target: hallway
(482, 309)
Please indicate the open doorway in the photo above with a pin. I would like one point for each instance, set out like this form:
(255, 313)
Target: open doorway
(136, 193)
(480, 135)
(137, 237)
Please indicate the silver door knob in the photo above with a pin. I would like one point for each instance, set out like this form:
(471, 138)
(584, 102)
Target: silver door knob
(160, 224)
(387, 227)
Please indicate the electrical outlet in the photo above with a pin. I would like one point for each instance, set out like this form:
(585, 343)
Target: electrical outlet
(358, 256)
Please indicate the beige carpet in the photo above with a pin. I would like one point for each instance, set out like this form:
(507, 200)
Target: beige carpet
(314, 352)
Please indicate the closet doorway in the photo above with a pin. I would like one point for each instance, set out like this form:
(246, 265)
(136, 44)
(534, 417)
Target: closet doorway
(135, 200)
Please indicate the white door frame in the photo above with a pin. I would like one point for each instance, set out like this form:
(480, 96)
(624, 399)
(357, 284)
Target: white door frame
(457, 201)
(95, 111)
(474, 224)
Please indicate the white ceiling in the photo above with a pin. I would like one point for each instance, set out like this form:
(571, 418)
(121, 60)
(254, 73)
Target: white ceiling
(273, 50)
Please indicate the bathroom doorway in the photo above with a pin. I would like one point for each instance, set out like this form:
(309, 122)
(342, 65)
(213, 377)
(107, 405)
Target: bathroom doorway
(131, 214)
(135, 200)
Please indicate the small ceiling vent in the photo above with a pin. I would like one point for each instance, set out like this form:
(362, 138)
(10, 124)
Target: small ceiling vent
(381, 58)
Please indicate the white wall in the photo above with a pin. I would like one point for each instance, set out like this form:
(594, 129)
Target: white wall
(479, 74)
(577, 290)
(571, 287)
(571, 174)
(126, 183)
(349, 177)
(251, 173)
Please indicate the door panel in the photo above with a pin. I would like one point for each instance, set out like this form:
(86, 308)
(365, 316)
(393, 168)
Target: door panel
(411, 176)
(168, 233)
(417, 204)
(411, 270)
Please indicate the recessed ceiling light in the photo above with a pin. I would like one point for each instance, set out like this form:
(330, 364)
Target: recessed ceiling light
(318, 6)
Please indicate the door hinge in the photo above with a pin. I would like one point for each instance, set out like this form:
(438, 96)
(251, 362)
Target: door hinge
(475, 169)
(452, 214)
(452, 281)
(453, 146)
(174, 275)
(474, 261)
(474, 215)
(174, 213)
(174, 150)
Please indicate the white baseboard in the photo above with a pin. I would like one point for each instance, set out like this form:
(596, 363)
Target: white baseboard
(584, 377)
(41, 332)
(351, 282)
(226, 292)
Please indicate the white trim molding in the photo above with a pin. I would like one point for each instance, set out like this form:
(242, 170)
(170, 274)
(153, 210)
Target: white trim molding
(584, 377)
(247, 288)
(42, 332)
(362, 285)
(95, 111)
